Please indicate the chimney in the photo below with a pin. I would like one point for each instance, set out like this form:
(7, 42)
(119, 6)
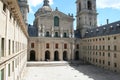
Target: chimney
(107, 21)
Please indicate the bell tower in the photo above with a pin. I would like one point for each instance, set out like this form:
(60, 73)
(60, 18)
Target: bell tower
(24, 7)
(86, 15)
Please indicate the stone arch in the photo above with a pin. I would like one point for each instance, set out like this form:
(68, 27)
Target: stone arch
(32, 55)
(76, 55)
(65, 56)
(47, 55)
(56, 56)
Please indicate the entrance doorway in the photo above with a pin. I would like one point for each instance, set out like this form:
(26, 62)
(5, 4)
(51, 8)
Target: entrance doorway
(65, 58)
(47, 55)
(76, 55)
(32, 55)
(56, 56)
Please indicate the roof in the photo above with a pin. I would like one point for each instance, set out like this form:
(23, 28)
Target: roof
(109, 29)
(32, 31)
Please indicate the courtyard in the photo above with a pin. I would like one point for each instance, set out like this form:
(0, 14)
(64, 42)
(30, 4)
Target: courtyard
(67, 72)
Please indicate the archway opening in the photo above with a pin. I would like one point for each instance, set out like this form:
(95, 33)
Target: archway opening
(65, 58)
(76, 56)
(32, 55)
(56, 56)
(47, 56)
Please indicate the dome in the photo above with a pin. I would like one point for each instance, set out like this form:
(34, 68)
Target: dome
(46, 8)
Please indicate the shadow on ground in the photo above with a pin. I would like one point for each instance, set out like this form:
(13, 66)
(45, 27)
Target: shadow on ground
(95, 73)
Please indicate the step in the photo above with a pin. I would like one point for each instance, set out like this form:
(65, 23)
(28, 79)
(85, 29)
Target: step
(54, 63)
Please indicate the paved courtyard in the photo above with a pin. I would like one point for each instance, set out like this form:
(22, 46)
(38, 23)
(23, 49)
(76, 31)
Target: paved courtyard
(81, 72)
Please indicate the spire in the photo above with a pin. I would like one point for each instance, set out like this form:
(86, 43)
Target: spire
(46, 3)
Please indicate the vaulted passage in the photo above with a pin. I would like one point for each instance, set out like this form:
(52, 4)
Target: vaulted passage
(32, 55)
(65, 58)
(56, 56)
(47, 55)
(76, 56)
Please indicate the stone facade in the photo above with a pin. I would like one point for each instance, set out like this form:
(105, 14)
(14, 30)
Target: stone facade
(13, 41)
(51, 36)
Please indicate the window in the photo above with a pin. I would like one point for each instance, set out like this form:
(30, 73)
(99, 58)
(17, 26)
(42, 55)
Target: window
(65, 34)
(103, 62)
(103, 47)
(32, 45)
(108, 54)
(8, 69)
(56, 21)
(4, 7)
(2, 47)
(56, 46)
(79, 6)
(109, 63)
(103, 54)
(89, 5)
(56, 34)
(10, 15)
(115, 38)
(47, 45)
(9, 46)
(12, 46)
(12, 66)
(65, 46)
(2, 74)
(115, 65)
(47, 34)
(108, 47)
(77, 46)
(115, 55)
(108, 38)
(115, 47)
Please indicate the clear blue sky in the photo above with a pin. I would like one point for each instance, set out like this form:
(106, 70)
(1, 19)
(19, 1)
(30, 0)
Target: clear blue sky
(106, 9)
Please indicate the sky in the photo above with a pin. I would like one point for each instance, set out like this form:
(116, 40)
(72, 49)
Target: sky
(106, 9)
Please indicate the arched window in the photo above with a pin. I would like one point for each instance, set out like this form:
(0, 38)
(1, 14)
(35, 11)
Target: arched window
(56, 21)
(32, 45)
(56, 34)
(47, 34)
(65, 34)
(89, 4)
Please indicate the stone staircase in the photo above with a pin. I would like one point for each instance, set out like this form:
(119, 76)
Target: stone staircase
(50, 63)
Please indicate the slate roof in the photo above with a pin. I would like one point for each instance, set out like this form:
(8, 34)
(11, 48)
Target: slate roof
(109, 29)
(77, 33)
(32, 31)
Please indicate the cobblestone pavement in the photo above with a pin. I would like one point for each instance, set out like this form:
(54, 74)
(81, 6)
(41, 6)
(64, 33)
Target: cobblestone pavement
(81, 72)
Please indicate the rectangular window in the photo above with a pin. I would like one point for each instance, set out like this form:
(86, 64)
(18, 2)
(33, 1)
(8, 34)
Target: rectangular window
(56, 46)
(47, 45)
(9, 47)
(115, 47)
(32, 45)
(2, 74)
(115, 55)
(108, 63)
(108, 47)
(8, 69)
(65, 46)
(12, 66)
(108, 54)
(115, 65)
(12, 46)
(2, 47)
(4, 7)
